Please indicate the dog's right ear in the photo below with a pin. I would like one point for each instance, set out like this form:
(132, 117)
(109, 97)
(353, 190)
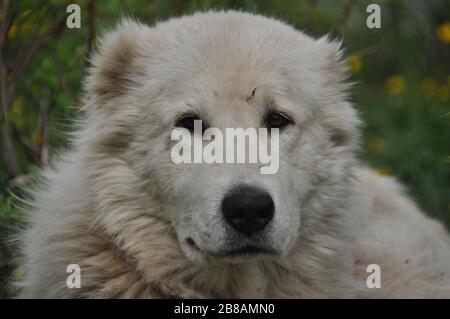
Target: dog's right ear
(113, 69)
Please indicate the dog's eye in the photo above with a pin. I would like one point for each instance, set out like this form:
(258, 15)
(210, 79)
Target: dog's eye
(187, 121)
(277, 120)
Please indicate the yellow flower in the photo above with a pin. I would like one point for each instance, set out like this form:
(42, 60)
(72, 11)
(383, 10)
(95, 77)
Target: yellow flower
(384, 171)
(395, 84)
(25, 13)
(428, 87)
(377, 145)
(443, 92)
(355, 63)
(12, 32)
(444, 32)
(38, 138)
(18, 105)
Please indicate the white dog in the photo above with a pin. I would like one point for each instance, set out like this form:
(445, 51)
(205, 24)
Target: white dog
(140, 225)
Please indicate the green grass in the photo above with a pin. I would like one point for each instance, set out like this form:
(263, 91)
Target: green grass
(416, 143)
(9, 220)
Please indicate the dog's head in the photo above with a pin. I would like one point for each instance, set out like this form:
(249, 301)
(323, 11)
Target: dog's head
(230, 70)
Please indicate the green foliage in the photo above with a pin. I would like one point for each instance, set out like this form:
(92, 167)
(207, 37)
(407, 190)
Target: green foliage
(401, 72)
(9, 220)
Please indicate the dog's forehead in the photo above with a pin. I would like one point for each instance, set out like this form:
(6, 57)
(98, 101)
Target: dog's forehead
(228, 62)
(229, 51)
(246, 79)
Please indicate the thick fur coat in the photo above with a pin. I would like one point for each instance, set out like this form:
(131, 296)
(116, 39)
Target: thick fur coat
(117, 206)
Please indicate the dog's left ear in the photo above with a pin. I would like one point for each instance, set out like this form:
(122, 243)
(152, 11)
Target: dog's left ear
(113, 67)
(340, 117)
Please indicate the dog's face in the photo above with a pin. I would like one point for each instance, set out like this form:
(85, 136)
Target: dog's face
(230, 70)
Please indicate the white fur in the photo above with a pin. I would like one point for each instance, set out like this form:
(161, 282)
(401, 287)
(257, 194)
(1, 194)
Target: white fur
(120, 208)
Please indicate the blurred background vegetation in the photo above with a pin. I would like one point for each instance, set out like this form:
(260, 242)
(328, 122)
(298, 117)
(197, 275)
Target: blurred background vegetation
(402, 75)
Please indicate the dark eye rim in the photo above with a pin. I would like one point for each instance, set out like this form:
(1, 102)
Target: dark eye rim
(286, 119)
(180, 122)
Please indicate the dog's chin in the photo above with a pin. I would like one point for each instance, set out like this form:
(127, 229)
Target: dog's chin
(231, 255)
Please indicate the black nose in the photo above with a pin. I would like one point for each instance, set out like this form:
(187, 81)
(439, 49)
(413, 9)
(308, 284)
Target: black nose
(247, 209)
